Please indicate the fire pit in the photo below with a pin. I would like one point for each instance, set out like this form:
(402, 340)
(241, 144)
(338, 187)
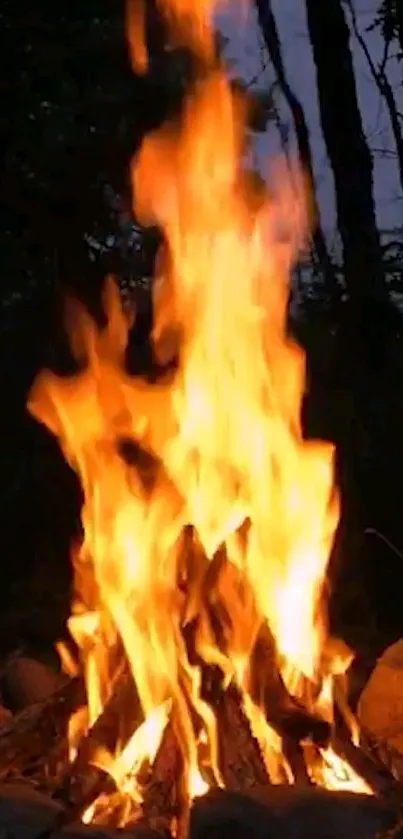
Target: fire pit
(205, 697)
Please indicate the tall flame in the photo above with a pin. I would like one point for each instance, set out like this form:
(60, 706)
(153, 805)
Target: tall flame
(223, 448)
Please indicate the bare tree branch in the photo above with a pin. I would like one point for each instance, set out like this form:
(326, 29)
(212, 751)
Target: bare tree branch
(268, 27)
(382, 82)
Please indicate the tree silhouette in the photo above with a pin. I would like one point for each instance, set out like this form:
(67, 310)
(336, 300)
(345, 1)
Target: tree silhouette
(390, 20)
(347, 148)
(73, 115)
(381, 81)
(268, 27)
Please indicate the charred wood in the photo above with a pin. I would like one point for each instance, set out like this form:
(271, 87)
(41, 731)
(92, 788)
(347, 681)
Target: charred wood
(241, 761)
(284, 712)
(289, 717)
(294, 755)
(165, 801)
(34, 744)
(80, 789)
(83, 781)
(378, 776)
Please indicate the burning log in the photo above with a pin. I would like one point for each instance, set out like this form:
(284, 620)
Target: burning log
(283, 711)
(165, 796)
(241, 762)
(377, 776)
(79, 790)
(295, 758)
(83, 781)
(37, 731)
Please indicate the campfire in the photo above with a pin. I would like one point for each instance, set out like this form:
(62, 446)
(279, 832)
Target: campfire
(202, 666)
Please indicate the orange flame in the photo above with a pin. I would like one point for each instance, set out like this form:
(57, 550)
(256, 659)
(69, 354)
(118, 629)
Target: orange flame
(188, 23)
(224, 451)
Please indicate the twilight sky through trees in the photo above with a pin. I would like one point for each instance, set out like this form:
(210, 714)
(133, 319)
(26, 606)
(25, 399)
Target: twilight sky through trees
(246, 49)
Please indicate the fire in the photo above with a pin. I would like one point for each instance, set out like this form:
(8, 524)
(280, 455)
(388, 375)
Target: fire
(189, 24)
(223, 539)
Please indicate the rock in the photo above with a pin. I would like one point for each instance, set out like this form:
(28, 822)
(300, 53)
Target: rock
(380, 708)
(290, 812)
(26, 813)
(26, 681)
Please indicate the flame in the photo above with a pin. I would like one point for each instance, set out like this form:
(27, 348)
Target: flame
(141, 747)
(222, 528)
(334, 773)
(188, 24)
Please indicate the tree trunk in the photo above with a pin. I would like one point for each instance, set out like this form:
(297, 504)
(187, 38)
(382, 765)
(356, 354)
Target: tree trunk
(382, 82)
(268, 27)
(347, 149)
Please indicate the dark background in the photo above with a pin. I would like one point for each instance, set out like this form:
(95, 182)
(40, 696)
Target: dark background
(73, 115)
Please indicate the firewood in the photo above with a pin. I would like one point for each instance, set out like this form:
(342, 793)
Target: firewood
(165, 798)
(294, 756)
(378, 776)
(240, 758)
(284, 712)
(82, 780)
(289, 812)
(81, 789)
(241, 762)
(35, 739)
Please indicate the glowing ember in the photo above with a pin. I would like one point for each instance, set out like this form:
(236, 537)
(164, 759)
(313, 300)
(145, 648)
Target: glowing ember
(224, 444)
